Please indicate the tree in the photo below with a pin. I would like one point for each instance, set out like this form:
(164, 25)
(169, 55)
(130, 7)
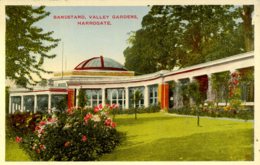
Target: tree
(195, 94)
(82, 100)
(27, 45)
(137, 96)
(181, 36)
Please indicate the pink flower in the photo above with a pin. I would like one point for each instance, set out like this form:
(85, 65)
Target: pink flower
(67, 144)
(42, 123)
(18, 139)
(98, 108)
(42, 147)
(113, 125)
(108, 122)
(113, 106)
(52, 120)
(38, 151)
(37, 128)
(84, 138)
(87, 117)
(70, 111)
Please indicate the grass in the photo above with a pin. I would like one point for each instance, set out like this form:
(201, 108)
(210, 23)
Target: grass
(13, 152)
(163, 137)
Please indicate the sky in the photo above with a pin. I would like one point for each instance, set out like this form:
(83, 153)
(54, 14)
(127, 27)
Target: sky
(81, 42)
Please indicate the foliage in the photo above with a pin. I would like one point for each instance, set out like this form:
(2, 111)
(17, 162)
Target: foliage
(149, 109)
(184, 93)
(75, 135)
(216, 112)
(27, 45)
(7, 93)
(173, 136)
(234, 91)
(137, 96)
(180, 36)
(219, 82)
(194, 92)
(22, 123)
(82, 99)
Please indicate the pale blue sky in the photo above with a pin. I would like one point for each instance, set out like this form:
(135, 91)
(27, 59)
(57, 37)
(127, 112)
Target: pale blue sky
(82, 42)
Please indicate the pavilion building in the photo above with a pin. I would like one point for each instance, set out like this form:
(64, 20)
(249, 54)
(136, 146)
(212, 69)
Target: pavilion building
(106, 81)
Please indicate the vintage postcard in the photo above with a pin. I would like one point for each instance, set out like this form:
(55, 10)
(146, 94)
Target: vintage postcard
(139, 82)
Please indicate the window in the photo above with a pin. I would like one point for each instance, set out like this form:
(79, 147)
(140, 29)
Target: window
(132, 91)
(153, 92)
(58, 102)
(15, 103)
(42, 103)
(94, 97)
(116, 96)
(28, 103)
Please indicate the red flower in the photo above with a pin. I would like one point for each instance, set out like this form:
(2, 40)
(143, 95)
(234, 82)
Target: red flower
(69, 111)
(42, 123)
(52, 120)
(18, 139)
(87, 117)
(98, 108)
(42, 147)
(67, 144)
(38, 151)
(113, 106)
(37, 128)
(84, 138)
(113, 125)
(108, 122)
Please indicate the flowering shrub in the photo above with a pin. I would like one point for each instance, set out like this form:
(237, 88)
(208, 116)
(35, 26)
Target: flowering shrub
(234, 92)
(22, 123)
(77, 135)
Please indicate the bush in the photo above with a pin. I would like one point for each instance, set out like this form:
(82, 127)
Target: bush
(22, 123)
(216, 112)
(150, 109)
(77, 135)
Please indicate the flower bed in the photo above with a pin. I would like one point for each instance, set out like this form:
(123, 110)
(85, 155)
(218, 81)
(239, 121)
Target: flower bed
(79, 134)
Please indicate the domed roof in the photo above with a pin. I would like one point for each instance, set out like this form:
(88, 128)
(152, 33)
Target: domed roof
(100, 63)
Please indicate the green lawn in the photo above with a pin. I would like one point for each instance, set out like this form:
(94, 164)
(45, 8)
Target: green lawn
(13, 152)
(160, 136)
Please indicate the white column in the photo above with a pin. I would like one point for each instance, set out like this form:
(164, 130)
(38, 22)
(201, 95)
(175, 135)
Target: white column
(209, 91)
(49, 101)
(35, 104)
(123, 98)
(191, 100)
(126, 98)
(146, 96)
(10, 103)
(22, 108)
(103, 96)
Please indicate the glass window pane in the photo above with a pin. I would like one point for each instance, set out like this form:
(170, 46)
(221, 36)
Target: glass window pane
(28, 103)
(42, 103)
(59, 103)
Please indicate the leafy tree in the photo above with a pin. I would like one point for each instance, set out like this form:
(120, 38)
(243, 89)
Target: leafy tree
(180, 36)
(27, 45)
(194, 93)
(137, 96)
(219, 82)
(82, 100)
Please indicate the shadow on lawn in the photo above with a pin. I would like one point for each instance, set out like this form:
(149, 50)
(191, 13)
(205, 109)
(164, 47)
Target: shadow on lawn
(140, 120)
(221, 146)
